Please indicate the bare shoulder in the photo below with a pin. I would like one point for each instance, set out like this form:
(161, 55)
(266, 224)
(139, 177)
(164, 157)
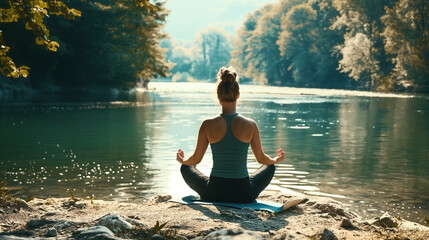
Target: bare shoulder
(210, 122)
(245, 120)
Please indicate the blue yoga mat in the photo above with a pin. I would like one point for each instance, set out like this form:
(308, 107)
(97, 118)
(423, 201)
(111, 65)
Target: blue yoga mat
(256, 205)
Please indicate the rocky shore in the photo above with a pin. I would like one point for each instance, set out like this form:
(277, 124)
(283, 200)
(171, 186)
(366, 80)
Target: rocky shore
(157, 218)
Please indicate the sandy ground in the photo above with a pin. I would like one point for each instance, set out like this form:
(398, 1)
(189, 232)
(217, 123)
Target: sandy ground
(305, 221)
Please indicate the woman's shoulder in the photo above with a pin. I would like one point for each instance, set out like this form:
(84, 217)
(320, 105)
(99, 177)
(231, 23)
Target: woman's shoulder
(245, 119)
(214, 120)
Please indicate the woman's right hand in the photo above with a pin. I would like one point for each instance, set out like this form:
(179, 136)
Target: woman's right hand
(280, 156)
(180, 156)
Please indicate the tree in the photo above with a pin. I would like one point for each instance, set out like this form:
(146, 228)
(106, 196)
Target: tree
(114, 44)
(32, 14)
(362, 17)
(296, 43)
(406, 36)
(257, 48)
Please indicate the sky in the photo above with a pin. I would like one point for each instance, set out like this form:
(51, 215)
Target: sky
(187, 17)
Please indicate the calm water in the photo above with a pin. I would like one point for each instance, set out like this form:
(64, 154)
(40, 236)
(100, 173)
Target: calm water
(369, 151)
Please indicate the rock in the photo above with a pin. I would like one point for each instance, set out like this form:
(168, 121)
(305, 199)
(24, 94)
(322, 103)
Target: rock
(52, 232)
(48, 214)
(36, 223)
(233, 234)
(156, 237)
(10, 237)
(94, 233)
(327, 235)
(114, 223)
(158, 199)
(64, 224)
(135, 222)
(386, 221)
(346, 223)
(332, 207)
(80, 204)
(18, 234)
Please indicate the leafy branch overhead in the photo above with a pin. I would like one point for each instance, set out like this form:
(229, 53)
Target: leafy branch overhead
(32, 13)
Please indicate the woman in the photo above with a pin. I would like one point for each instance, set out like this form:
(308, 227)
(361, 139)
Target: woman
(229, 135)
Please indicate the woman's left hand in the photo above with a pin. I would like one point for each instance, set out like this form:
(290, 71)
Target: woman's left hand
(180, 156)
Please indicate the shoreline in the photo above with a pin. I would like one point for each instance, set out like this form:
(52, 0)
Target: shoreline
(312, 219)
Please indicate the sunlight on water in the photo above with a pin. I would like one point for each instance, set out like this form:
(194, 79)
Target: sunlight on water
(367, 150)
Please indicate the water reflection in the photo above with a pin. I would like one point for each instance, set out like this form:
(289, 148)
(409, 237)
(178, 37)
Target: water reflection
(370, 153)
(101, 147)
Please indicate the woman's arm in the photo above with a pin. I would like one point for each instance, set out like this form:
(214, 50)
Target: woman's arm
(200, 150)
(260, 156)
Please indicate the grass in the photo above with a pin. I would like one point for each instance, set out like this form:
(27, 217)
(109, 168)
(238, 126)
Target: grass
(146, 233)
(83, 196)
(8, 199)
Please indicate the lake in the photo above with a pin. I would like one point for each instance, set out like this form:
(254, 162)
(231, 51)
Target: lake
(367, 150)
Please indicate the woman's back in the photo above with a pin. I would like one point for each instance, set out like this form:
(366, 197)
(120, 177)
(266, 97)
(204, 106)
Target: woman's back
(228, 150)
(241, 127)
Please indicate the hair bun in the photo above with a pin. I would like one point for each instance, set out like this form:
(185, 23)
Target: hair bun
(228, 74)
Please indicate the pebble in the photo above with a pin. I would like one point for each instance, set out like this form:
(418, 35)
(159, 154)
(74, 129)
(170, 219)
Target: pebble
(327, 235)
(386, 221)
(52, 232)
(233, 234)
(135, 222)
(346, 223)
(96, 232)
(35, 223)
(64, 224)
(156, 237)
(115, 223)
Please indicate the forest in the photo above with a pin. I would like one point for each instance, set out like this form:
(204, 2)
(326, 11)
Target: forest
(347, 44)
(51, 46)
(80, 45)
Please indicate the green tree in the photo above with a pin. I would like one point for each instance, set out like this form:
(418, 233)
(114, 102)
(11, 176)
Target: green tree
(215, 52)
(306, 44)
(361, 22)
(32, 14)
(257, 48)
(406, 37)
(114, 44)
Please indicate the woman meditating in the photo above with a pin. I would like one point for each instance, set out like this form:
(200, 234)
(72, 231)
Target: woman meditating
(229, 135)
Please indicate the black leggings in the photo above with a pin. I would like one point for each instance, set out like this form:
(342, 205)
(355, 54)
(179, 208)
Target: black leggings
(219, 189)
